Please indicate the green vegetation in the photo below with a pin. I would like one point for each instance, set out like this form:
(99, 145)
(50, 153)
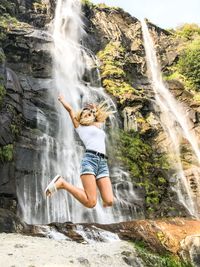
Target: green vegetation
(15, 129)
(16, 124)
(2, 88)
(101, 5)
(156, 260)
(2, 93)
(2, 56)
(197, 98)
(146, 167)
(87, 3)
(188, 31)
(6, 153)
(7, 18)
(114, 77)
(174, 74)
(7, 7)
(39, 6)
(8, 22)
(189, 63)
(187, 69)
(104, 6)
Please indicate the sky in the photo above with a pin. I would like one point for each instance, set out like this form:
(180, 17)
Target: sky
(163, 13)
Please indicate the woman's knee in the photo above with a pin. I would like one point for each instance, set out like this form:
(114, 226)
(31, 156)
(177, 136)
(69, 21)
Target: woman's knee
(108, 203)
(91, 203)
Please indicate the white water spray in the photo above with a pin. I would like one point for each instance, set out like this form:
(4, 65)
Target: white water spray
(61, 151)
(175, 122)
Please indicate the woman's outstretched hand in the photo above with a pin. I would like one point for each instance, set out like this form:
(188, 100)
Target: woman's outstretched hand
(61, 98)
(67, 106)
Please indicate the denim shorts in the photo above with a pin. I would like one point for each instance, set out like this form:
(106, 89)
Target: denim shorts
(94, 164)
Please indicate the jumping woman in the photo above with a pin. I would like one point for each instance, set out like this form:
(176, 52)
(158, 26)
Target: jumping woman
(94, 168)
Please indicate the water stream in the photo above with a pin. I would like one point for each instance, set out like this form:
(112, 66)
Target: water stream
(176, 124)
(61, 148)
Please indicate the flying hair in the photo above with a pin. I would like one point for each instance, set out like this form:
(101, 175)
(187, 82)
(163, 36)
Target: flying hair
(100, 113)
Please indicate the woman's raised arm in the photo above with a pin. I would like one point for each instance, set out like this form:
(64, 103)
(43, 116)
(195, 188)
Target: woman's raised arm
(69, 109)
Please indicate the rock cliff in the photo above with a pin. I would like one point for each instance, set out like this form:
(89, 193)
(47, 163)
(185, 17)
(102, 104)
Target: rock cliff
(115, 38)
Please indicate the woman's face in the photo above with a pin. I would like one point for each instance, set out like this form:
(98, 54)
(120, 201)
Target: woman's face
(87, 116)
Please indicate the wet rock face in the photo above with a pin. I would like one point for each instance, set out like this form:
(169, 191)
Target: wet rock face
(10, 121)
(190, 249)
(25, 69)
(104, 25)
(165, 46)
(9, 222)
(36, 13)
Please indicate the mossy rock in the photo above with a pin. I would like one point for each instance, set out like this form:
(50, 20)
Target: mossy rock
(7, 7)
(7, 22)
(114, 77)
(2, 94)
(6, 153)
(40, 7)
(2, 57)
(147, 168)
(152, 259)
(120, 89)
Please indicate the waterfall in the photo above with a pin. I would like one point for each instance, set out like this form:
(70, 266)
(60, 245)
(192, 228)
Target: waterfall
(176, 124)
(60, 148)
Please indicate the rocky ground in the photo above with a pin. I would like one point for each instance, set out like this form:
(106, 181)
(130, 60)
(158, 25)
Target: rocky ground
(17, 250)
(147, 243)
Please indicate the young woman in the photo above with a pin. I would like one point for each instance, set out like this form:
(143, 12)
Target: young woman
(94, 168)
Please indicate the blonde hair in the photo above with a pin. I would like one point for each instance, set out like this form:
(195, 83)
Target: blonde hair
(100, 113)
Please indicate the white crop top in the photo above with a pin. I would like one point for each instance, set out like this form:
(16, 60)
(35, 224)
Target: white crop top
(93, 137)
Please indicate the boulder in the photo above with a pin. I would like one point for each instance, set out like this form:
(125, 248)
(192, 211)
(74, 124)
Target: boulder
(9, 222)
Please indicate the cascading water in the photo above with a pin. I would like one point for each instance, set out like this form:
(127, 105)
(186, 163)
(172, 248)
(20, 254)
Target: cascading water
(176, 124)
(61, 151)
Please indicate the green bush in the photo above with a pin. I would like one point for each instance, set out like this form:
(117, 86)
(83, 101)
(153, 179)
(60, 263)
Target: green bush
(114, 78)
(189, 63)
(7, 22)
(146, 167)
(2, 56)
(2, 94)
(152, 259)
(188, 31)
(87, 3)
(6, 153)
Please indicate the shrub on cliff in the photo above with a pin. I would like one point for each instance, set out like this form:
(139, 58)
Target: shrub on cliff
(147, 168)
(87, 3)
(6, 153)
(189, 63)
(2, 94)
(188, 31)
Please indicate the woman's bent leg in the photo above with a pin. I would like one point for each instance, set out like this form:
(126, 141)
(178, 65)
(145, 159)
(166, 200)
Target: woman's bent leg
(87, 196)
(105, 188)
